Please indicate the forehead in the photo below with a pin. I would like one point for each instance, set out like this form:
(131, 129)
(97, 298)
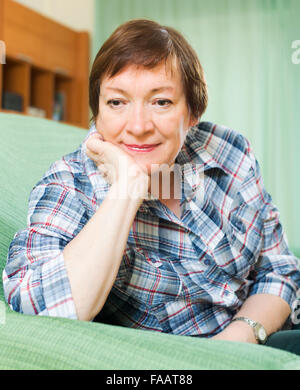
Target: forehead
(166, 72)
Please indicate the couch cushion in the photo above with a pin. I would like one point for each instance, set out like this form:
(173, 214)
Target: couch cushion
(47, 343)
(28, 147)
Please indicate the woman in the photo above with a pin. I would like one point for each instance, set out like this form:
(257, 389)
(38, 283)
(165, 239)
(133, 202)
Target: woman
(104, 243)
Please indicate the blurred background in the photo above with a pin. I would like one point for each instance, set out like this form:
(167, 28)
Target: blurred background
(250, 53)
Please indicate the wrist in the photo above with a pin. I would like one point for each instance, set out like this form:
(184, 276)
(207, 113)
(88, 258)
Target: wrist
(135, 189)
(240, 331)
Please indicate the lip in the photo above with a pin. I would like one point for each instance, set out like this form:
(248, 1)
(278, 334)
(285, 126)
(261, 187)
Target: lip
(141, 146)
(145, 148)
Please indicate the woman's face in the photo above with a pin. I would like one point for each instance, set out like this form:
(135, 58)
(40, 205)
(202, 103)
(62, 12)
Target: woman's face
(145, 107)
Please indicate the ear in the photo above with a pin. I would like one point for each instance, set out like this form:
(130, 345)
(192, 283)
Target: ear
(193, 121)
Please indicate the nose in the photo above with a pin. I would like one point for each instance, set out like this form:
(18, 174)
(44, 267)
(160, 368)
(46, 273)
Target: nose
(139, 120)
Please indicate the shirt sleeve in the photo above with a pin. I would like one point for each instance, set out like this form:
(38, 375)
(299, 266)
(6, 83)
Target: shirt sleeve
(35, 279)
(276, 270)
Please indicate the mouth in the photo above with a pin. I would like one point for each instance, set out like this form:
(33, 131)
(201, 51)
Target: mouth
(141, 148)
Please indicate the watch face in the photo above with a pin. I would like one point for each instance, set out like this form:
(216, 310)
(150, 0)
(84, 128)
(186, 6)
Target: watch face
(262, 334)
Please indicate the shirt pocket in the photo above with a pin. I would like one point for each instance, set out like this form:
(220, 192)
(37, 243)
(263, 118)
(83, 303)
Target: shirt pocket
(239, 249)
(145, 278)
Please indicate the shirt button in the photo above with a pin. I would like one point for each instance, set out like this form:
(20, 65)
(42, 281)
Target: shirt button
(207, 262)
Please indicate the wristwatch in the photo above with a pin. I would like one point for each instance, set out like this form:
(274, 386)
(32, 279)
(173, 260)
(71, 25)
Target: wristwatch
(259, 331)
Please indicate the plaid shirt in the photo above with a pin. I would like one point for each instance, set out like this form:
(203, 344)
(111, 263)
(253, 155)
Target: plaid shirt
(185, 276)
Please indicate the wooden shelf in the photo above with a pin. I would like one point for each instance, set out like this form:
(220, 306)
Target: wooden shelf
(42, 90)
(44, 58)
(15, 78)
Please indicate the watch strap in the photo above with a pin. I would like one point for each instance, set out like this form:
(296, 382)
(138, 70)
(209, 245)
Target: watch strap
(254, 325)
(245, 319)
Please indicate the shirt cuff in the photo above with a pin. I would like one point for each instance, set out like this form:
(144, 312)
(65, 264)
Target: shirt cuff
(275, 285)
(45, 290)
(57, 290)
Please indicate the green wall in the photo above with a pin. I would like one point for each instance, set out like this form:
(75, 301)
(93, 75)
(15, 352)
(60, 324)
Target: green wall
(245, 47)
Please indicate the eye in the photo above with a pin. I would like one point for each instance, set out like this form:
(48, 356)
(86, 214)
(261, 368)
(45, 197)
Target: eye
(114, 103)
(163, 102)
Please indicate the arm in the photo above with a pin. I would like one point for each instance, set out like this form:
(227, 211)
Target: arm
(34, 279)
(93, 257)
(269, 310)
(54, 270)
(275, 273)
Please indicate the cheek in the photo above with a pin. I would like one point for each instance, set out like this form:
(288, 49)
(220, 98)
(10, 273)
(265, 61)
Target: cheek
(108, 124)
(175, 131)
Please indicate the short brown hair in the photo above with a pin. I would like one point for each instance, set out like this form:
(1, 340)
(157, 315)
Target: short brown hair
(146, 43)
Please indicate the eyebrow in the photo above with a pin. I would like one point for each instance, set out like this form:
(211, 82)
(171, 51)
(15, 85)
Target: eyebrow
(160, 89)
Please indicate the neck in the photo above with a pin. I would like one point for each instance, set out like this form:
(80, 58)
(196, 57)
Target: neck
(162, 187)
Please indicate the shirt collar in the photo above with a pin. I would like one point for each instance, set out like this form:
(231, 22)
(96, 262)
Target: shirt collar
(195, 159)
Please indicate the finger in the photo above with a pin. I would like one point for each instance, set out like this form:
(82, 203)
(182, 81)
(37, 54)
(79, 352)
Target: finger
(95, 145)
(98, 158)
(92, 155)
(97, 134)
(100, 136)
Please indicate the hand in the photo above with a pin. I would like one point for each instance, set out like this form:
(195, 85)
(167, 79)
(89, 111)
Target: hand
(117, 166)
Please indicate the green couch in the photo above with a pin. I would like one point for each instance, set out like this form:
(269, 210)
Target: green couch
(28, 146)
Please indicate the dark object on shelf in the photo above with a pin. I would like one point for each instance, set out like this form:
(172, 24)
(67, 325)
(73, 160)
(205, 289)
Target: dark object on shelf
(59, 107)
(12, 101)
